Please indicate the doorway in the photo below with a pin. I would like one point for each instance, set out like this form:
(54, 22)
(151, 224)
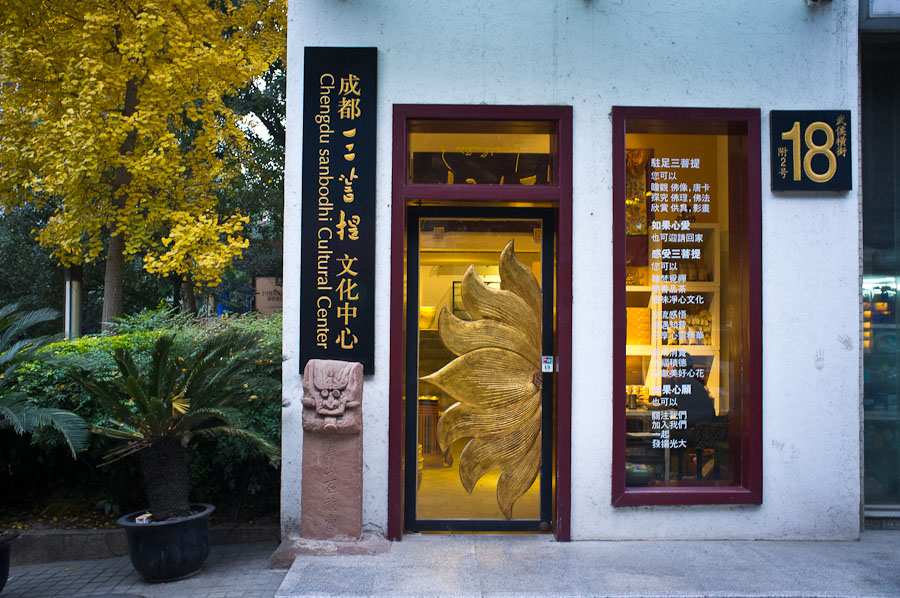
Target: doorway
(479, 376)
(481, 323)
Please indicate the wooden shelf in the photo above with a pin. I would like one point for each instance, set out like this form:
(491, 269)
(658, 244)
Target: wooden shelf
(692, 349)
(666, 349)
(881, 326)
(638, 350)
(889, 415)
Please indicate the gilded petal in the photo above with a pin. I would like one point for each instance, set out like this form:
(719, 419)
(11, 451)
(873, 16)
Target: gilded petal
(497, 451)
(496, 379)
(461, 420)
(516, 479)
(484, 302)
(487, 378)
(462, 336)
(518, 278)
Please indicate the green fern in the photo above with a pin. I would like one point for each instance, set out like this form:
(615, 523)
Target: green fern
(16, 410)
(178, 395)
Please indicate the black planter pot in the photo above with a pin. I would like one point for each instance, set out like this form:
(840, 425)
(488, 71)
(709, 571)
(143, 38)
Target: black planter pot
(5, 543)
(171, 549)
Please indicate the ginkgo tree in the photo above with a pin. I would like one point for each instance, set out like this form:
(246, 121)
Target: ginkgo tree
(114, 113)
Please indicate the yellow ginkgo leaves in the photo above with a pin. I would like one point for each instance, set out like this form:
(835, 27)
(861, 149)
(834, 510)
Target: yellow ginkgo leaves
(202, 246)
(115, 114)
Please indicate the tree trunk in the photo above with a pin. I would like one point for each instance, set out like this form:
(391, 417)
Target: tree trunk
(190, 300)
(114, 279)
(165, 468)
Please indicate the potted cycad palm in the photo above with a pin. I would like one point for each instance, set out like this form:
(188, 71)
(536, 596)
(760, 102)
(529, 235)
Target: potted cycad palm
(16, 410)
(183, 392)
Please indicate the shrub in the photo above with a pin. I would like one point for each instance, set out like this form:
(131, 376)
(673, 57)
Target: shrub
(222, 469)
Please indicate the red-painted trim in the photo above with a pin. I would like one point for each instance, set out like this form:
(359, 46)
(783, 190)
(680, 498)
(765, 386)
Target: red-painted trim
(563, 520)
(708, 495)
(397, 332)
(559, 195)
(750, 489)
(618, 321)
(753, 251)
(483, 193)
(480, 112)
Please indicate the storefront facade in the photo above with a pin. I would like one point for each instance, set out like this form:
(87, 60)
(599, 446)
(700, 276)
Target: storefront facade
(611, 324)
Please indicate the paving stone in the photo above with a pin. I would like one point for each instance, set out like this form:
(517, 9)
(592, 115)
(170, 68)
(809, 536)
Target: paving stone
(231, 568)
(492, 566)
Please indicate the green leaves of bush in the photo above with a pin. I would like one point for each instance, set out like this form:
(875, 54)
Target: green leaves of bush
(220, 465)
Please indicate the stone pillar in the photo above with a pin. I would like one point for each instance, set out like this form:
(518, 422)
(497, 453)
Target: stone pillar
(72, 312)
(331, 492)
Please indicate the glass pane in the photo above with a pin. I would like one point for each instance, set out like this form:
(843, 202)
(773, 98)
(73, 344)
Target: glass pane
(684, 310)
(482, 152)
(884, 8)
(881, 361)
(479, 394)
(881, 276)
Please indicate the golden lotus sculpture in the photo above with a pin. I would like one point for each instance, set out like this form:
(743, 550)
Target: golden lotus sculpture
(496, 379)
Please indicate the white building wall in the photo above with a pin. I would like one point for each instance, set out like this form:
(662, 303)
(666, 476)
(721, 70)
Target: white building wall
(593, 54)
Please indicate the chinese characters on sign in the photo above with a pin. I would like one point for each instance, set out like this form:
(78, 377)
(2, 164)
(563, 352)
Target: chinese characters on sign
(679, 202)
(810, 150)
(338, 214)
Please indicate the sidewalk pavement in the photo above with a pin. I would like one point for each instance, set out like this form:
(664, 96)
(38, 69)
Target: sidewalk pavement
(231, 571)
(501, 566)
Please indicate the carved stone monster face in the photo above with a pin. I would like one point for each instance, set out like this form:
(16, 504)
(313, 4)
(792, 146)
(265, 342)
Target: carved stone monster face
(331, 401)
(332, 393)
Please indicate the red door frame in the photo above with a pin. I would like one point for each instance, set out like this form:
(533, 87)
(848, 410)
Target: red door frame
(558, 196)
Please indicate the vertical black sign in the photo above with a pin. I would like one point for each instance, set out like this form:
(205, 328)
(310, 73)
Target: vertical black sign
(810, 150)
(337, 283)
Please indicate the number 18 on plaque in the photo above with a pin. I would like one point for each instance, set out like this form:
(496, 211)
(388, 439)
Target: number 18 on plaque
(810, 150)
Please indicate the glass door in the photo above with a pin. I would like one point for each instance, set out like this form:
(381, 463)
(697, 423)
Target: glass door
(479, 372)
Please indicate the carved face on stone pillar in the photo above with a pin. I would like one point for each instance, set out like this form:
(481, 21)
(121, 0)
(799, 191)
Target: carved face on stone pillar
(332, 395)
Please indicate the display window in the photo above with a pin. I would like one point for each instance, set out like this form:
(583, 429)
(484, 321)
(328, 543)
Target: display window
(881, 279)
(481, 324)
(687, 403)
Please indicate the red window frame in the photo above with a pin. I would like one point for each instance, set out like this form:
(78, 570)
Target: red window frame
(558, 195)
(749, 491)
